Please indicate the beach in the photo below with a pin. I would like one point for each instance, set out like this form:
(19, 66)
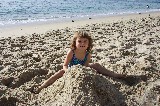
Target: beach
(42, 27)
(127, 44)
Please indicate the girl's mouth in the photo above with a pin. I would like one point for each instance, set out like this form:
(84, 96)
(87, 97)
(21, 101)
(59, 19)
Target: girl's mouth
(82, 46)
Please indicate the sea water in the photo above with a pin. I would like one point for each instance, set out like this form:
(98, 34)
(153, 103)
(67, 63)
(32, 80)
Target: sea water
(13, 12)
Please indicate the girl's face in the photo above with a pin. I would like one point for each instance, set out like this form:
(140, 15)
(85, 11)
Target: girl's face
(82, 43)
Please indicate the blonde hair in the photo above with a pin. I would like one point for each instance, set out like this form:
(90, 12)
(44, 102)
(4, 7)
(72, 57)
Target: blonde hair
(82, 34)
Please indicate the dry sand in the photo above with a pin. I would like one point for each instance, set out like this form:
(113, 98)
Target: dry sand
(124, 44)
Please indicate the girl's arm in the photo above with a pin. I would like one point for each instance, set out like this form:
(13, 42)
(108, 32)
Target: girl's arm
(67, 60)
(88, 60)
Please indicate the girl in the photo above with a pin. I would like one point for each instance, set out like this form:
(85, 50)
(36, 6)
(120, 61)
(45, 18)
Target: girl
(79, 53)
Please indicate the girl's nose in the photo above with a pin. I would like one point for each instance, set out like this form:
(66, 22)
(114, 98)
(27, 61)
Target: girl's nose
(83, 42)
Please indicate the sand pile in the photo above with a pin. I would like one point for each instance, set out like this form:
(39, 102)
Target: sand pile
(82, 86)
(128, 47)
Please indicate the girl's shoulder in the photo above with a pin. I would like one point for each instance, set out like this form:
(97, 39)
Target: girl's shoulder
(70, 52)
(88, 54)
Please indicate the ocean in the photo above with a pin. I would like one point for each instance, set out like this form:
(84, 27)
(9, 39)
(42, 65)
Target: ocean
(14, 12)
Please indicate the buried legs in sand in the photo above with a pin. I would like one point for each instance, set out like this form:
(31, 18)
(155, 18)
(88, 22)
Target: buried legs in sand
(129, 79)
(59, 74)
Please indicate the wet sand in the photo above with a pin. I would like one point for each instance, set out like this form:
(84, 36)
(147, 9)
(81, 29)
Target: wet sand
(43, 27)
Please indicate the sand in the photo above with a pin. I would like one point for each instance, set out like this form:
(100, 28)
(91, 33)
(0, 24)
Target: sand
(128, 44)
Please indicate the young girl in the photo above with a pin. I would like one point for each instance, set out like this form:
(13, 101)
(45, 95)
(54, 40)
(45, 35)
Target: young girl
(79, 53)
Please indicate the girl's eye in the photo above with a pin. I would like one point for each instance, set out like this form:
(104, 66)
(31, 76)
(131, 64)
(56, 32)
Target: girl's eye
(85, 41)
(79, 41)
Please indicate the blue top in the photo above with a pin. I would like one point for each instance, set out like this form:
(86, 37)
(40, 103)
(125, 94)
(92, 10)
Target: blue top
(75, 61)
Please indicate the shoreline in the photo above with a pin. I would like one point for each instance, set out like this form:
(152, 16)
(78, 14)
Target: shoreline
(42, 27)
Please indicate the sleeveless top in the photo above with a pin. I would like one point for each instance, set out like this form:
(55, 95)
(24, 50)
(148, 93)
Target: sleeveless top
(76, 61)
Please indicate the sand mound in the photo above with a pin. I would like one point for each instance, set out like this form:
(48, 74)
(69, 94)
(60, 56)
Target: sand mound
(82, 86)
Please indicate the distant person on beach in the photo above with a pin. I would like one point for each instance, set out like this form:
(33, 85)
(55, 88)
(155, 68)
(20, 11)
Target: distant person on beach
(80, 53)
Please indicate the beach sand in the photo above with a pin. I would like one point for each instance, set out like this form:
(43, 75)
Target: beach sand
(128, 44)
